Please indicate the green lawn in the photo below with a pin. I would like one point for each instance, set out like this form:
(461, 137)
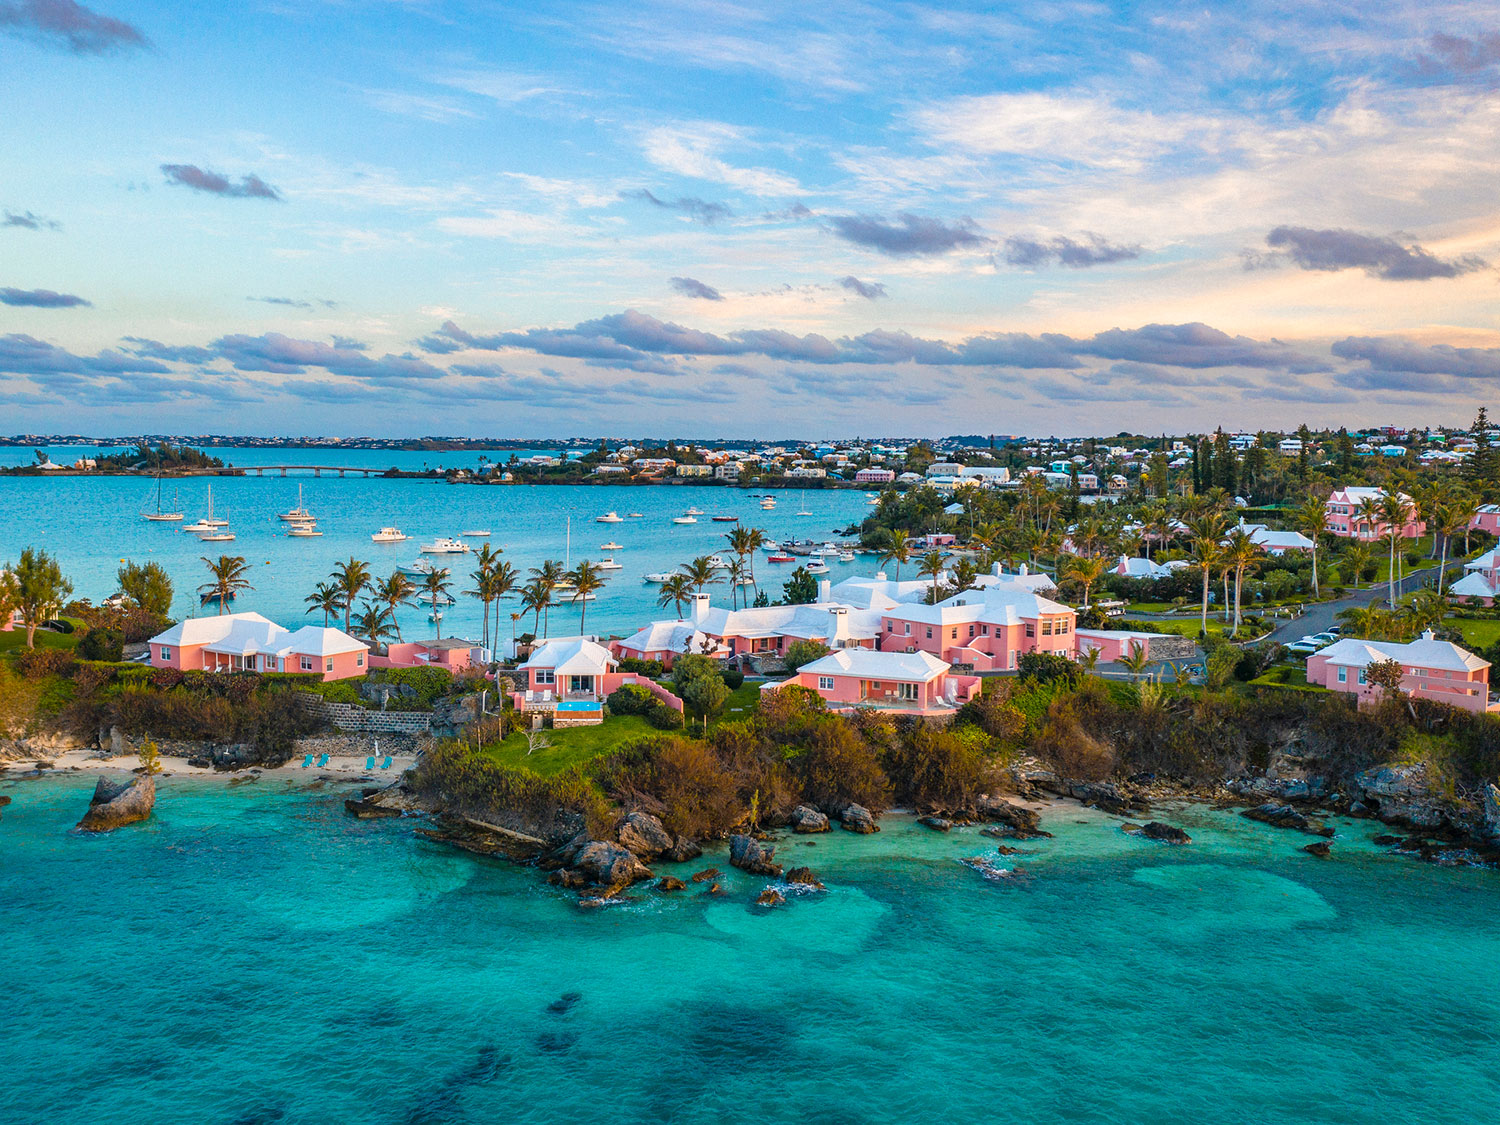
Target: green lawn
(45, 638)
(570, 746)
(743, 702)
(1477, 633)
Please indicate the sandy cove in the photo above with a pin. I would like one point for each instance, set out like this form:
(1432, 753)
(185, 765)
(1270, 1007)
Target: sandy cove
(340, 767)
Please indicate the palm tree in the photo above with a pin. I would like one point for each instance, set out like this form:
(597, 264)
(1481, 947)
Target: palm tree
(1356, 558)
(535, 595)
(374, 622)
(932, 564)
(1449, 520)
(504, 580)
(1087, 571)
(1136, 660)
(737, 575)
(1363, 622)
(1367, 512)
(739, 543)
(1240, 553)
(1395, 513)
(435, 587)
(755, 539)
(394, 592)
(226, 579)
(351, 578)
(483, 587)
(897, 550)
(700, 572)
(1205, 531)
(1312, 521)
(586, 579)
(327, 598)
(547, 577)
(1089, 660)
(675, 590)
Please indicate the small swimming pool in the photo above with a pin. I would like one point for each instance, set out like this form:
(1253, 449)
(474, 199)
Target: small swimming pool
(578, 705)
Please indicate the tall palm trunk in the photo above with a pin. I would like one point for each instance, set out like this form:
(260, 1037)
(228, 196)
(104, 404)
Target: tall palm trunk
(1316, 592)
(1203, 625)
(1442, 565)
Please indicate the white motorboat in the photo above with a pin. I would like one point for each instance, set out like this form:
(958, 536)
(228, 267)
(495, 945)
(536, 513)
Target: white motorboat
(607, 564)
(202, 527)
(209, 521)
(659, 577)
(636, 515)
(767, 503)
(421, 569)
(475, 534)
(684, 519)
(694, 512)
(445, 545)
(718, 562)
(609, 517)
(299, 514)
(846, 556)
(389, 535)
(817, 566)
(303, 531)
(611, 546)
(217, 535)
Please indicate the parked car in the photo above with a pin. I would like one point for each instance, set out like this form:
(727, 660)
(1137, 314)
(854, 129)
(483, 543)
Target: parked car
(1325, 639)
(1306, 646)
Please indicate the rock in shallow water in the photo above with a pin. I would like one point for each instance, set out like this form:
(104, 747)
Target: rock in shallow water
(803, 877)
(859, 820)
(749, 854)
(1321, 849)
(669, 883)
(642, 834)
(936, 823)
(807, 820)
(771, 897)
(115, 803)
(609, 865)
(1166, 833)
(1284, 816)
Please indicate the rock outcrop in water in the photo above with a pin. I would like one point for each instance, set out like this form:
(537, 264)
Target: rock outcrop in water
(1166, 833)
(807, 820)
(1007, 819)
(749, 854)
(858, 819)
(644, 835)
(1401, 794)
(1284, 816)
(609, 866)
(119, 803)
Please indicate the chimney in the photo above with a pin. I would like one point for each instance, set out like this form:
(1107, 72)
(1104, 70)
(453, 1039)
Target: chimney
(825, 588)
(880, 576)
(700, 607)
(997, 570)
(1024, 571)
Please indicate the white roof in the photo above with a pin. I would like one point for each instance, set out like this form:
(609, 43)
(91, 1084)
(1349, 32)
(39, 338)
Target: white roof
(1426, 652)
(995, 605)
(1134, 566)
(245, 634)
(866, 663)
(571, 656)
(1472, 585)
(1263, 536)
(1487, 561)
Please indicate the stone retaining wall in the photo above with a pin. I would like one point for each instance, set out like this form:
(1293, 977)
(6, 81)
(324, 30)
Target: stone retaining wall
(349, 718)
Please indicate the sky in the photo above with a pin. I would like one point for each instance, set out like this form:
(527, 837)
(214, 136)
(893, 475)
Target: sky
(406, 217)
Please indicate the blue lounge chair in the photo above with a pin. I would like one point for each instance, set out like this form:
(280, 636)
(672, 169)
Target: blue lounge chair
(370, 762)
(322, 760)
(307, 761)
(385, 765)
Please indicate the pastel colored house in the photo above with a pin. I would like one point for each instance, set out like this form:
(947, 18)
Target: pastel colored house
(989, 628)
(453, 653)
(1134, 566)
(1481, 580)
(899, 682)
(1276, 542)
(764, 631)
(571, 677)
(1487, 518)
(248, 642)
(1430, 669)
(875, 476)
(1344, 520)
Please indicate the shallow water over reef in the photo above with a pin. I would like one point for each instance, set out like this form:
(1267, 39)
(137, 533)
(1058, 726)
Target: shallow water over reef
(252, 955)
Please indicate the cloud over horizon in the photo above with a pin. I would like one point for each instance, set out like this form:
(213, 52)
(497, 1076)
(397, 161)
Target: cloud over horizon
(908, 235)
(191, 176)
(41, 299)
(692, 287)
(1378, 256)
(69, 25)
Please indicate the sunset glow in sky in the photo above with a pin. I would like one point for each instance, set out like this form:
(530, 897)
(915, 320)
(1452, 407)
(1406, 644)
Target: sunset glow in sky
(349, 216)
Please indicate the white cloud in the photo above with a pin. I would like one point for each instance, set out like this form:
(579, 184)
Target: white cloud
(692, 149)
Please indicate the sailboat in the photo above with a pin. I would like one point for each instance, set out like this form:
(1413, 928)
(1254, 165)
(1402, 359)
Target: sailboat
(160, 516)
(299, 514)
(209, 528)
(804, 511)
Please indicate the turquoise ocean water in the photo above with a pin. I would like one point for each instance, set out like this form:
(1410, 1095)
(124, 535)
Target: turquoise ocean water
(252, 955)
(91, 524)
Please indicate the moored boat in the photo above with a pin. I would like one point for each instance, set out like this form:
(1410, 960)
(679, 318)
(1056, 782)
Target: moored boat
(609, 517)
(389, 535)
(445, 545)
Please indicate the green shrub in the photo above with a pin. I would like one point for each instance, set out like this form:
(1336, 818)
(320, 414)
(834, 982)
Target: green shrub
(651, 669)
(631, 699)
(663, 717)
(39, 663)
(803, 652)
(102, 644)
(733, 678)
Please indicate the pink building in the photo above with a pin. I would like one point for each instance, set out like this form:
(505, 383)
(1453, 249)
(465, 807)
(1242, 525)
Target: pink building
(572, 677)
(1487, 518)
(988, 628)
(1344, 519)
(1430, 668)
(248, 642)
(897, 682)
(453, 653)
(875, 476)
(766, 631)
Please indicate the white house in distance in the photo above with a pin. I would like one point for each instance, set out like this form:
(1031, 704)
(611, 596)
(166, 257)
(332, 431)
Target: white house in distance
(1481, 579)
(248, 642)
(1275, 542)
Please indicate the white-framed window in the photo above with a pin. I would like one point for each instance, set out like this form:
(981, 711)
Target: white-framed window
(984, 630)
(1361, 675)
(359, 660)
(306, 664)
(890, 626)
(546, 676)
(328, 667)
(166, 653)
(1343, 675)
(825, 683)
(909, 692)
(929, 632)
(906, 627)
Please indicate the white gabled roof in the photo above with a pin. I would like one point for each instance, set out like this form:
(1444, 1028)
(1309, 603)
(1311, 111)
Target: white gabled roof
(207, 630)
(245, 634)
(571, 656)
(1471, 585)
(315, 640)
(1487, 561)
(1134, 566)
(1426, 652)
(867, 663)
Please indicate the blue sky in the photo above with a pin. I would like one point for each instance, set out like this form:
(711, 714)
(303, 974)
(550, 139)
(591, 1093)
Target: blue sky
(351, 216)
